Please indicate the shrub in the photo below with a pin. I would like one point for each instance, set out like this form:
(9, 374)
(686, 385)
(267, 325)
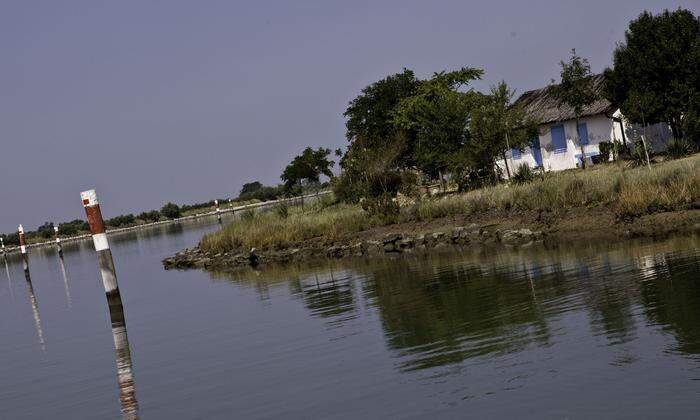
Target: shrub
(676, 149)
(124, 220)
(638, 155)
(149, 216)
(248, 214)
(523, 174)
(171, 211)
(73, 227)
(605, 148)
(282, 210)
(46, 230)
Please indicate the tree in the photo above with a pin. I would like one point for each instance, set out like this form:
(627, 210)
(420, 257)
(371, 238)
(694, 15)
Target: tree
(46, 230)
(495, 127)
(250, 188)
(370, 115)
(309, 166)
(659, 60)
(438, 113)
(576, 91)
(170, 210)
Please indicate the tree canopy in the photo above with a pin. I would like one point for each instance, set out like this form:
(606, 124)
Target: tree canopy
(655, 70)
(309, 166)
(438, 113)
(250, 188)
(370, 114)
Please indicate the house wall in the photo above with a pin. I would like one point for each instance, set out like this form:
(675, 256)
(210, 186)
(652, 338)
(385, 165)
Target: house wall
(600, 128)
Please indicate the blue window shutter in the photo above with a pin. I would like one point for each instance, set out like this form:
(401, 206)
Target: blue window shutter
(583, 132)
(536, 151)
(558, 138)
(516, 154)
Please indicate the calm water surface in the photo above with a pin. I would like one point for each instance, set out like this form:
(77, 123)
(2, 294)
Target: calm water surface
(607, 331)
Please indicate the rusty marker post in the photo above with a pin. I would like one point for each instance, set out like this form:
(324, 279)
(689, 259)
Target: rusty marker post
(218, 211)
(99, 238)
(58, 241)
(23, 249)
(114, 301)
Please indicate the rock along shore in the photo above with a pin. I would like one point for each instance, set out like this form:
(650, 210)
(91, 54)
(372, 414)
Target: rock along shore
(391, 244)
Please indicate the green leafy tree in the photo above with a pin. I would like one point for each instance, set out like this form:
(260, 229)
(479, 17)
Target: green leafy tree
(170, 210)
(250, 188)
(659, 62)
(46, 230)
(309, 166)
(576, 90)
(370, 115)
(495, 126)
(438, 115)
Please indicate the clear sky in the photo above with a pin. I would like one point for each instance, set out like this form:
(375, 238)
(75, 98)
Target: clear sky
(155, 101)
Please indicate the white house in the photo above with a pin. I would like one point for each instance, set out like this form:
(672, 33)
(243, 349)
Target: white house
(556, 147)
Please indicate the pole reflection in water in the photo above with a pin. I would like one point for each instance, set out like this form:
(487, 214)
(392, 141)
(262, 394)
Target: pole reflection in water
(65, 280)
(125, 376)
(9, 279)
(35, 310)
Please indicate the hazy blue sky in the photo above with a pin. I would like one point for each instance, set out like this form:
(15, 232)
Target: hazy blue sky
(151, 101)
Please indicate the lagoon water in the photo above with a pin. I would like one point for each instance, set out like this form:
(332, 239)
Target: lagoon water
(576, 332)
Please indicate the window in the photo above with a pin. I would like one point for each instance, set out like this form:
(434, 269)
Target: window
(583, 132)
(558, 138)
(516, 154)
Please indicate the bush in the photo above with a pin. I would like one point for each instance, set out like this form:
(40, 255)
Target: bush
(383, 206)
(124, 220)
(46, 230)
(248, 214)
(605, 148)
(523, 174)
(171, 211)
(638, 155)
(676, 149)
(149, 216)
(282, 210)
(73, 227)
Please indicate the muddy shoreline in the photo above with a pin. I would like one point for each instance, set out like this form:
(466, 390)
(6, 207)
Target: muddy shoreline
(492, 230)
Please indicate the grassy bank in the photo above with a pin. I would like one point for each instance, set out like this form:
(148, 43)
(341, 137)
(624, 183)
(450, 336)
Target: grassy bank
(626, 193)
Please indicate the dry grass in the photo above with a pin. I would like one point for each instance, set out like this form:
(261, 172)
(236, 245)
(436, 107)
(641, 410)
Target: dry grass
(669, 186)
(271, 230)
(629, 192)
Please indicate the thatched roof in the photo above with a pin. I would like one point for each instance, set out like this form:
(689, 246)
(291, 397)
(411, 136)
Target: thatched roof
(543, 104)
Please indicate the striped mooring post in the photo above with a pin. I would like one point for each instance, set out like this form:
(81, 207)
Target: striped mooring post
(99, 238)
(218, 210)
(58, 241)
(23, 249)
(2, 247)
(114, 301)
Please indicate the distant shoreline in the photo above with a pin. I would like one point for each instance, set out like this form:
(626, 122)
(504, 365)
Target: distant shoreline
(224, 210)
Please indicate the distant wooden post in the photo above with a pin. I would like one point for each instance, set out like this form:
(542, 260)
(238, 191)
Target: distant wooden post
(58, 242)
(218, 211)
(23, 249)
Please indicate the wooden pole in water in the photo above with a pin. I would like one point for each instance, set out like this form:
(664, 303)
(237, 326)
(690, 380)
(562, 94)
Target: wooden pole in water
(58, 241)
(23, 249)
(99, 238)
(218, 210)
(2, 247)
(114, 301)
